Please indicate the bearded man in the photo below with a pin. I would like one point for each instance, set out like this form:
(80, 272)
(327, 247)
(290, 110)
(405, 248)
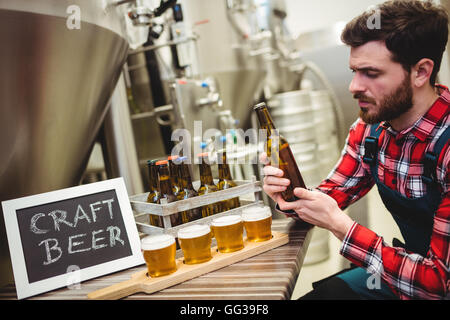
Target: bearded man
(400, 143)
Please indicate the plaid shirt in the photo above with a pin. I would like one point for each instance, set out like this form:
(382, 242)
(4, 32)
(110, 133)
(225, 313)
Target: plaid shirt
(409, 275)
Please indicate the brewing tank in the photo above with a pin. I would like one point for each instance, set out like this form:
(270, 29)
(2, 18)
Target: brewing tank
(59, 61)
(225, 53)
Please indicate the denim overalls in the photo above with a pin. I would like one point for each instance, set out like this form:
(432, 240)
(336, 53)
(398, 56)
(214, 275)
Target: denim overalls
(414, 217)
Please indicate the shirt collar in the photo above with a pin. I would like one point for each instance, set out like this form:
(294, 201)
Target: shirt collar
(423, 127)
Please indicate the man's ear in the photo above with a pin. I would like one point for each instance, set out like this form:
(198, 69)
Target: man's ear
(421, 72)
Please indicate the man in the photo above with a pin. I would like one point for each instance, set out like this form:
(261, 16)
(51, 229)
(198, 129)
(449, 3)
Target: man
(400, 143)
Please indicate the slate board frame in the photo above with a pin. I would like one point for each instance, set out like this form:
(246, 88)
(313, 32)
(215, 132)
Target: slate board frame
(26, 289)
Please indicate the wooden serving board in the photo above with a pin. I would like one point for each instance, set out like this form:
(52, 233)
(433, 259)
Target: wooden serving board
(140, 282)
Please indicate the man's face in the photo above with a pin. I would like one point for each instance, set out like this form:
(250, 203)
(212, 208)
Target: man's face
(381, 86)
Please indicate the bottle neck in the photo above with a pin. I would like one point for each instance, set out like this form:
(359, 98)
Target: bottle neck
(153, 172)
(224, 169)
(186, 177)
(165, 184)
(174, 174)
(224, 172)
(264, 118)
(206, 177)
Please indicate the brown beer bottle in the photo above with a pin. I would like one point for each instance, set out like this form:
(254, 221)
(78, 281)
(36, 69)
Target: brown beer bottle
(184, 177)
(153, 195)
(153, 182)
(165, 190)
(225, 181)
(207, 186)
(284, 158)
(176, 188)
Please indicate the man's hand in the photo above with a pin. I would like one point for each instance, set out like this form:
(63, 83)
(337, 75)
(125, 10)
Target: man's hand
(273, 182)
(321, 210)
(314, 207)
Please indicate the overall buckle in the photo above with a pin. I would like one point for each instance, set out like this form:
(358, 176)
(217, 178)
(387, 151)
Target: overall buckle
(370, 150)
(429, 167)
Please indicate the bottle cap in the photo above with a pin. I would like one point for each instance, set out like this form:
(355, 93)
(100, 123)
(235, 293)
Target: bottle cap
(260, 106)
(202, 155)
(161, 162)
(180, 160)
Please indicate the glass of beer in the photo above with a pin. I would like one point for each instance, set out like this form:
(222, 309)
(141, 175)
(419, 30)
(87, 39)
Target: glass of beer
(228, 231)
(195, 242)
(258, 223)
(159, 254)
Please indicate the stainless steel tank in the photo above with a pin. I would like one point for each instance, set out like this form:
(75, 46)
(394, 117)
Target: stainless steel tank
(324, 48)
(55, 84)
(224, 54)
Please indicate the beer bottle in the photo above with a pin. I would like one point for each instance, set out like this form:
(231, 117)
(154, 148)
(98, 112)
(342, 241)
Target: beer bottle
(207, 186)
(284, 158)
(176, 188)
(184, 177)
(153, 182)
(225, 181)
(165, 190)
(153, 195)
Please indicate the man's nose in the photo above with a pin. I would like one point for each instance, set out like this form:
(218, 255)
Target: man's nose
(356, 85)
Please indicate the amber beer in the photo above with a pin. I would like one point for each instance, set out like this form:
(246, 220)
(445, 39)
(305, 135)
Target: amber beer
(195, 242)
(159, 254)
(258, 223)
(228, 231)
(284, 158)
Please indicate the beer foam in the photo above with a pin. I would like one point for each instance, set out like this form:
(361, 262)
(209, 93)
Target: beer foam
(197, 230)
(256, 213)
(157, 242)
(226, 220)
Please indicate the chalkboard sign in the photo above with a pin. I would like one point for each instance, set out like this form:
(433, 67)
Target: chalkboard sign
(88, 229)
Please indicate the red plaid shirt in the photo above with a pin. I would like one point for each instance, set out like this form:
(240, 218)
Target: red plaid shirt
(410, 275)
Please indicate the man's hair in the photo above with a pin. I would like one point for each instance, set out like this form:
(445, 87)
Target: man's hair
(411, 29)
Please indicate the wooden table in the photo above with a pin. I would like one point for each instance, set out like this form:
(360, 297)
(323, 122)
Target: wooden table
(270, 276)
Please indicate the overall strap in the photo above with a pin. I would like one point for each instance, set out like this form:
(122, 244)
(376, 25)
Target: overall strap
(371, 145)
(431, 158)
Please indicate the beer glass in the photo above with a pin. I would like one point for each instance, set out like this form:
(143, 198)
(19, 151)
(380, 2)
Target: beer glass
(159, 254)
(258, 223)
(228, 231)
(195, 242)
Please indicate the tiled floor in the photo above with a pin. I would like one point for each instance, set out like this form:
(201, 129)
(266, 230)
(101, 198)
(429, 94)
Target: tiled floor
(380, 221)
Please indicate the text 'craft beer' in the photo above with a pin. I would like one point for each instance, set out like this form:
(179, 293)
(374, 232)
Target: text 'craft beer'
(279, 153)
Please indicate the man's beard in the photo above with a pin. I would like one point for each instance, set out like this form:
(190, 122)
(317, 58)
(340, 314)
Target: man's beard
(392, 106)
